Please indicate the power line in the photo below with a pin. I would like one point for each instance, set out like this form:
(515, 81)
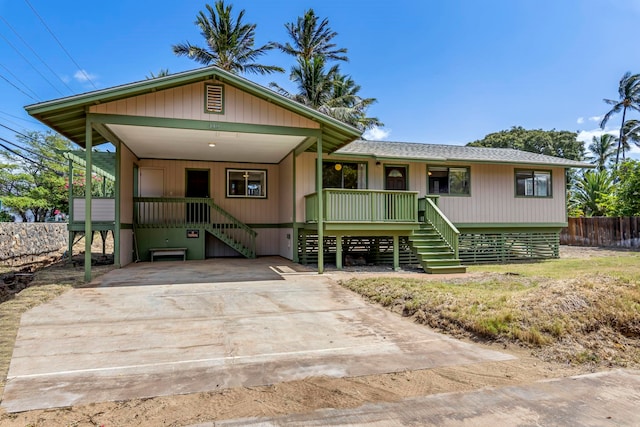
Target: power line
(29, 62)
(8, 81)
(19, 81)
(26, 158)
(19, 118)
(26, 149)
(36, 54)
(60, 44)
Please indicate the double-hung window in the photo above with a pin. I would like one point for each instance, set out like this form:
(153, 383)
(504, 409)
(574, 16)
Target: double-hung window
(533, 183)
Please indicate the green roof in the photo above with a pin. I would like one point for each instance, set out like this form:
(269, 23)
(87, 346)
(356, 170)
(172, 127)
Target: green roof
(67, 116)
(103, 163)
(440, 153)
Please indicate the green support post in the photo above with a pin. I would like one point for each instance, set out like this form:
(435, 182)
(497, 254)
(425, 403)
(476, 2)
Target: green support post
(320, 203)
(70, 214)
(339, 252)
(116, 226)
(396, 252)
(88, 232)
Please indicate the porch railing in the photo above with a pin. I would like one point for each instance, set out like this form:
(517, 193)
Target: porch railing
(177, 212)
(363, 206)
(434, 216)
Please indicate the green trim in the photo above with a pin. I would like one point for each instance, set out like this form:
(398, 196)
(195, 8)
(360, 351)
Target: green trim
(533, 171)
(294, 243)
(68, 115)
(320, 206)
(468, 168)
(117, 184)
(206, 91)
(87, 201)
(246, 196)
(504, 225)
(274, 225)
(186, 180)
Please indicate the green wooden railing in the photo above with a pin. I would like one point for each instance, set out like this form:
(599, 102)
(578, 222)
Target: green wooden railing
(363, 206)
(177, 212)
(434, 216)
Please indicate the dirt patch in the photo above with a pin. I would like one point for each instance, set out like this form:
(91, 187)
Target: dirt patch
(319, 392)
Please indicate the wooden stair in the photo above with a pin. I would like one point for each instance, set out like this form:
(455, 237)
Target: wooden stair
(435, 255)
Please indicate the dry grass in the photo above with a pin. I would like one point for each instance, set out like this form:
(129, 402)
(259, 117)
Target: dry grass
(567, 310)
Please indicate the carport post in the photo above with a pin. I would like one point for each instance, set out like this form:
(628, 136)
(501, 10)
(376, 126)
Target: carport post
(88, 232)
(396, 252)
(320, 203)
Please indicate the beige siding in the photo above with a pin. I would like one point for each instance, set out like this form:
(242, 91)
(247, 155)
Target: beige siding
(285, 237)
(101, 210)
(127, 161)
(187, 102)
(286, 189)
(126, 247)
(493, 199)
(256, 211)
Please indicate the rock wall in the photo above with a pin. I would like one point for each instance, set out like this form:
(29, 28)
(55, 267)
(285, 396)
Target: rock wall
(22, 243)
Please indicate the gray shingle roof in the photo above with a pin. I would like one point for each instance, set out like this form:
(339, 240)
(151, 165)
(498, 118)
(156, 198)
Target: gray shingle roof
(452, 153)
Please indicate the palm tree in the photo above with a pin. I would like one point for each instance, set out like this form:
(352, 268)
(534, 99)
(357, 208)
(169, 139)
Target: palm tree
(311, 38)
(346, 105)
(589, 190)
(631, 133)
(162, 73)
(603, 147)
(230, 42)
(629, 98)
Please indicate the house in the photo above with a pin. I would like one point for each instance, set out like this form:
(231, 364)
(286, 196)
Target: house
(209, 164)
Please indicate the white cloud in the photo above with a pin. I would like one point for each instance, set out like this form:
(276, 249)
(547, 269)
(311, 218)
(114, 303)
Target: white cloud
(580, 120)
(595, 118)
(377, 134)
(586, 136)
(83, 76)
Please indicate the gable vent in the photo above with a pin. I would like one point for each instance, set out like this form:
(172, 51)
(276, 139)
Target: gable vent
(214, 99)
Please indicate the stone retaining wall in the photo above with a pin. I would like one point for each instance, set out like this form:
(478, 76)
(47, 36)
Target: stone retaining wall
(23, 243)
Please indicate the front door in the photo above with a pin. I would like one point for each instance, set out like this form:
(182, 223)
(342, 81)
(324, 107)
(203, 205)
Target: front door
(395, 178)
(197, 183)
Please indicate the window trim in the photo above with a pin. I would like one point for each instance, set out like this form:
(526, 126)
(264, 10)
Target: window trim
(206, 98)
(366, 172)
(246, 196)
(468, 168)
(533, 171)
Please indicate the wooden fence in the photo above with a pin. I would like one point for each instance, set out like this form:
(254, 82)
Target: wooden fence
(602, 232)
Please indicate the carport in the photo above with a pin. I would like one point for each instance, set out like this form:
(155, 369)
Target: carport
(163, 329)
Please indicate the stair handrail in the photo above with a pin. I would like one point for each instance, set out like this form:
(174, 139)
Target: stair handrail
(231, 218)
(441, 224)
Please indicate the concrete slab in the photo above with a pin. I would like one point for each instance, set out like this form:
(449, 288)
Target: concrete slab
(127, 339)
(602, 399)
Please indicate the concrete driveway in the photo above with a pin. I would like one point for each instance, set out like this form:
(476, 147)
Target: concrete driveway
(165, 328)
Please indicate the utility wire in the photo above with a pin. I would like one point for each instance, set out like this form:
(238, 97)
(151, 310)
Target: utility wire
(18, 80)
(36, 54)
(29, 62)
(26, 149)
(42, 165)
(8, 81)
(61, 46)
(19, 118)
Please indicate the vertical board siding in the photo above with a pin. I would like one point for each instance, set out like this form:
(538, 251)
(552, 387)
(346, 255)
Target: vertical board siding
(127, 160)
(493, 199)
(126, 247)
(602, 231)
(247, 210)
(187, 102)
(285, 192)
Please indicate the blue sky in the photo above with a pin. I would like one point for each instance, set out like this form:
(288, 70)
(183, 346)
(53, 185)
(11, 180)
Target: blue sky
(443, 71)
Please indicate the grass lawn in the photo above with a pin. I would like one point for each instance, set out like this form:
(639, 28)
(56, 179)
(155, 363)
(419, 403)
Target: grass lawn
(572, 310)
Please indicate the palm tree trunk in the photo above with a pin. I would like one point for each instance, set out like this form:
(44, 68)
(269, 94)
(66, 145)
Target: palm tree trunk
(624, 113)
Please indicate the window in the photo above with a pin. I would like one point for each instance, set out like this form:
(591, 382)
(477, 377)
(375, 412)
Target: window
(246, 183)
(214, 96)
(344, 175)
(445, 180)
(530, 183)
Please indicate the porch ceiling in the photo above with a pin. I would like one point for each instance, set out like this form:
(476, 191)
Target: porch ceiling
(192, 144)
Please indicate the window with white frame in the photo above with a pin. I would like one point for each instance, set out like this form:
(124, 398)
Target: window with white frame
(533, 183)
(449, 180)
(246, 183)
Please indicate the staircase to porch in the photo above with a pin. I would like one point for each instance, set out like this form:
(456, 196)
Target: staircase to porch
(436, 241)
(194, 212)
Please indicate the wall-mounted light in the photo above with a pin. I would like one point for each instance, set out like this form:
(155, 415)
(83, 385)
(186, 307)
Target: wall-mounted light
(211, 144)
(378, 163)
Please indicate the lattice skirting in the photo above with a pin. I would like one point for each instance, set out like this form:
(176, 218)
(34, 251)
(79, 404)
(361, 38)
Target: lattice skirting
(476, 248)
(370, 250)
